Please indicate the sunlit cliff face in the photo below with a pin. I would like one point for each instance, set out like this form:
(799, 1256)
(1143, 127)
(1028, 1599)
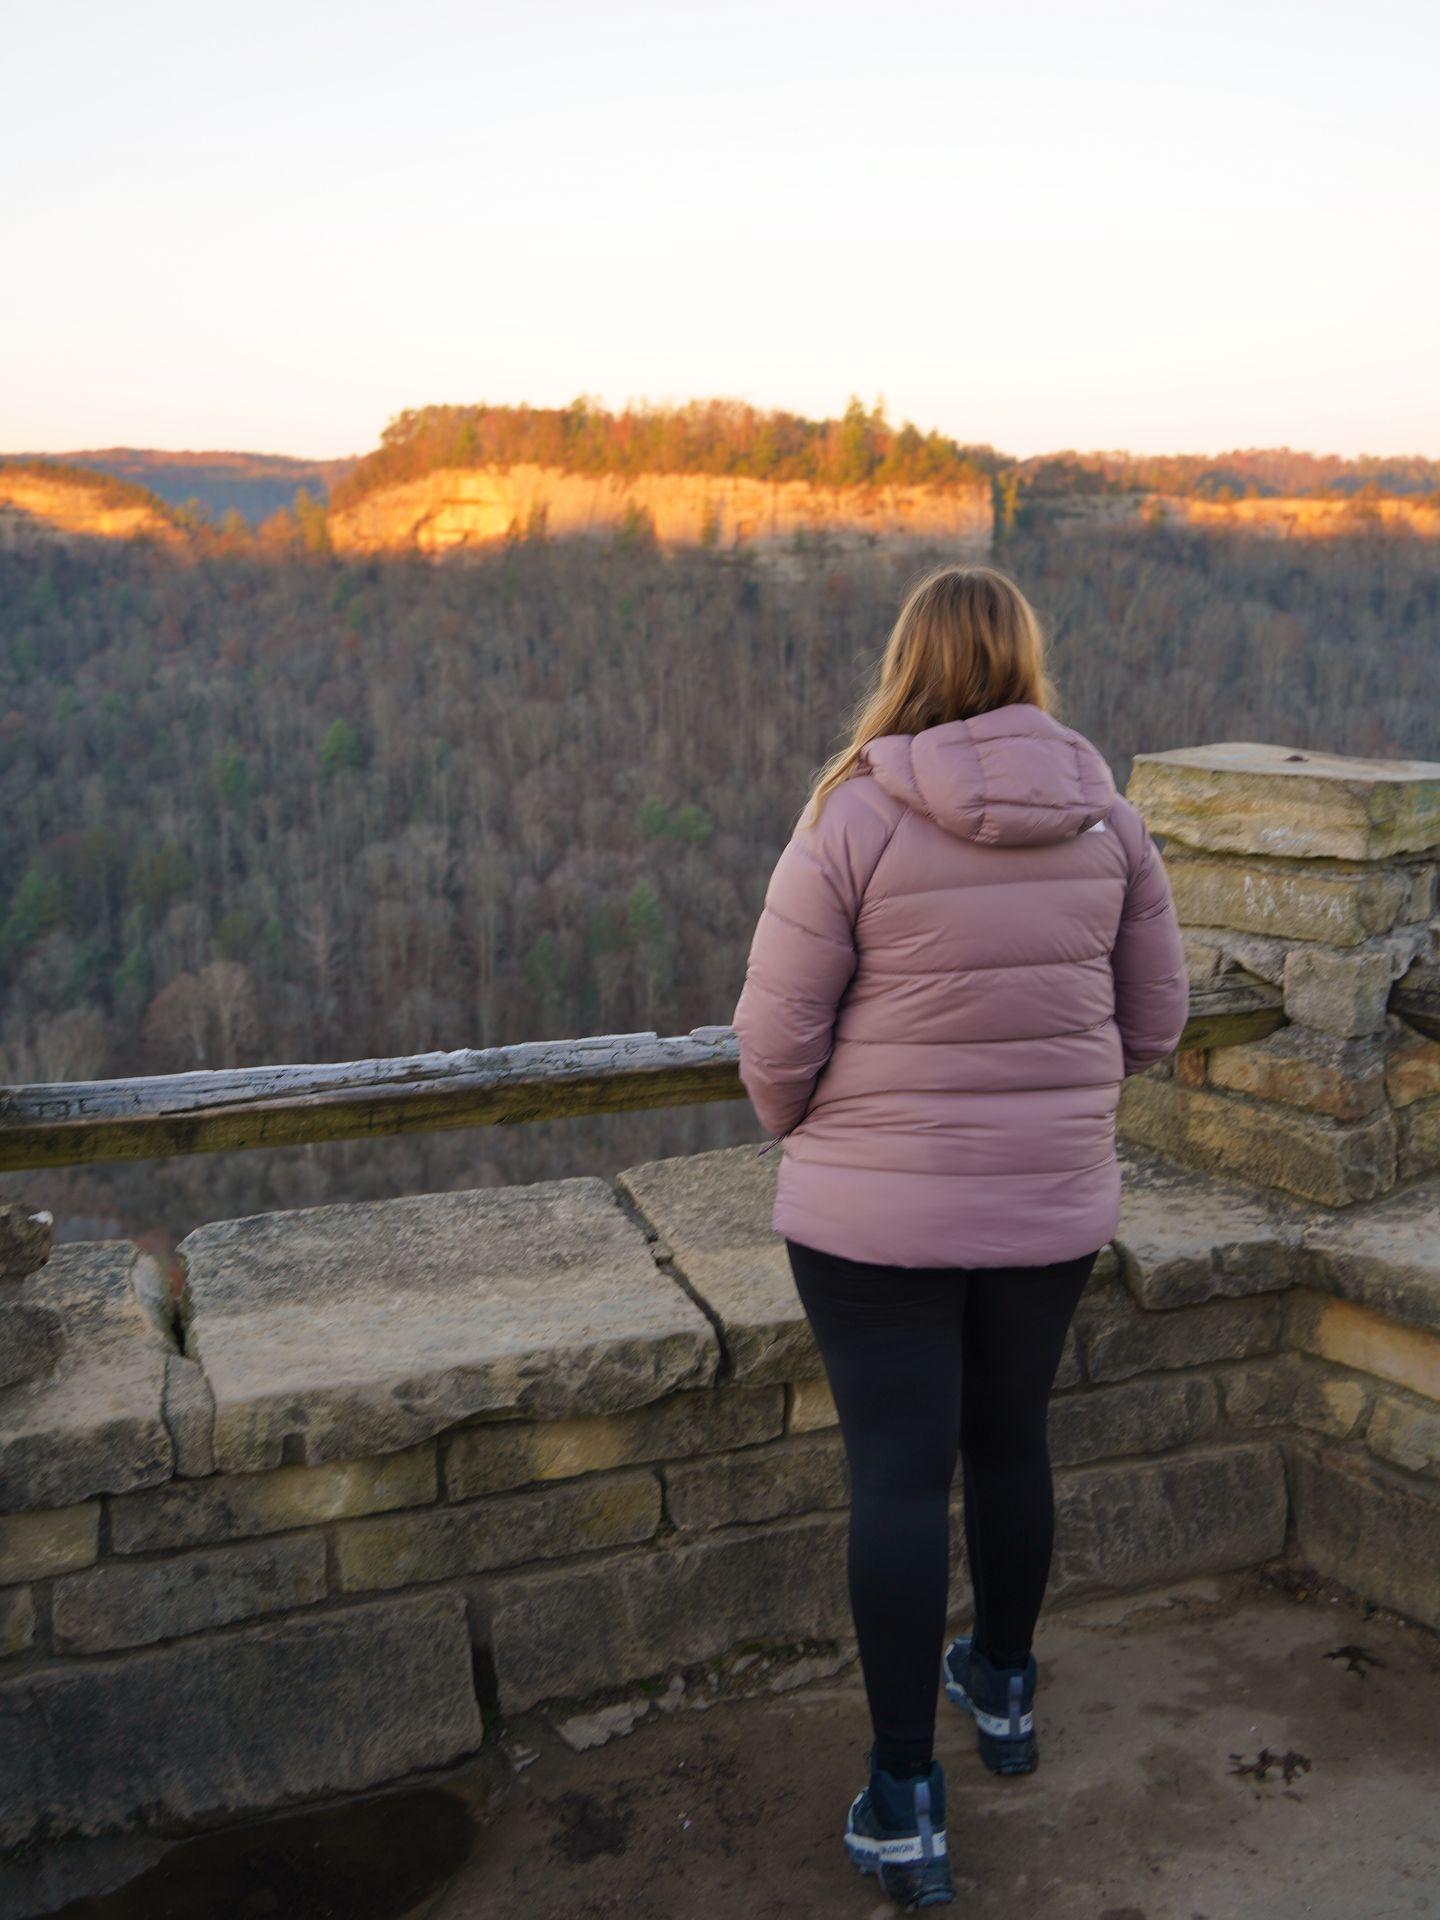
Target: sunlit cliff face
(35, 508)
(1288, 517)
(1308, 519)
(455, 508)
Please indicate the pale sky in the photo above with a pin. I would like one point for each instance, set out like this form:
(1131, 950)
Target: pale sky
(1039, 223)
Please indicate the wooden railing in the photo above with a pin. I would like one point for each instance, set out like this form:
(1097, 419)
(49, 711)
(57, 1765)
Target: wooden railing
(248, 1107)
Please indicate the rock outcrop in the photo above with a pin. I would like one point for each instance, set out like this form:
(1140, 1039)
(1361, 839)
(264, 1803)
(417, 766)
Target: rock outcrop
(38, 508)
(454, 509)
(1277, 518)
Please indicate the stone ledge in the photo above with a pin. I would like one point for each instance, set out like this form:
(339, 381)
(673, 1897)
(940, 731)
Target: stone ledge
(1186, 1236)
(96, 1424)
(341, 1335)
(1250, 796)
(712, 1210)
(342, 1331)
(1387, 1256)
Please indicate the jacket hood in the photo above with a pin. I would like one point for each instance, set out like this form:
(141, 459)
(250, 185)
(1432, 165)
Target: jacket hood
(1013, 777)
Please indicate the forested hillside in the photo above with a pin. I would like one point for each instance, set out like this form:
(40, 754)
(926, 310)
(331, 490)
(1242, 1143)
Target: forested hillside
(263, 804)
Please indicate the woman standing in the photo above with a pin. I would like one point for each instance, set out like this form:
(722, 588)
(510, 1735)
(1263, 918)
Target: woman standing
(967, 944)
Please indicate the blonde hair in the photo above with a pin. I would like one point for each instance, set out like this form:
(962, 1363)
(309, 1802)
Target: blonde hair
(966, 640)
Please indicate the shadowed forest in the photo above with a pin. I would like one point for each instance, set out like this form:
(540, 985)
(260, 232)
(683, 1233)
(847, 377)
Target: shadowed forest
(264, 804)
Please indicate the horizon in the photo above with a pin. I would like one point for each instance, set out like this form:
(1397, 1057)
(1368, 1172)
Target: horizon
(97, 451)
(280, 235)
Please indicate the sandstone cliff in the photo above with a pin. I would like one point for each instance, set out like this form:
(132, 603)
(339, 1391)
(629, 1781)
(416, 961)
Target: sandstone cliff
(1307, 519)
(40, 507)
(454, 509)
(1295, 518)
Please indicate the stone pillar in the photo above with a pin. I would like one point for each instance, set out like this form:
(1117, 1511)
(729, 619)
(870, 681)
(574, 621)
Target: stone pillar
(1315, 873)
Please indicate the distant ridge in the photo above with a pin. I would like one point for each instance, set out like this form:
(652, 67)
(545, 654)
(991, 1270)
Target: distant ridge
(255, 485)
(721, 470)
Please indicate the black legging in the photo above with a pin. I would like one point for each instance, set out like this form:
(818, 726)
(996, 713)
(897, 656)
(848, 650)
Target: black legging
(925, 1361)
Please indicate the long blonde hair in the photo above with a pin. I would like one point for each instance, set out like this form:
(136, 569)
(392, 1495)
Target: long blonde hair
(966, 640)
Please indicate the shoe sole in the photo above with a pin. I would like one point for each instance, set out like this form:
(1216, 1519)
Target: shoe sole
(887, 1859)
(1000, 1753)
(910, 1900)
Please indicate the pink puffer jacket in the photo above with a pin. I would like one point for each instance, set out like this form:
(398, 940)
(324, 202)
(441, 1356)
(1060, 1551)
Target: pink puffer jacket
(951, 975)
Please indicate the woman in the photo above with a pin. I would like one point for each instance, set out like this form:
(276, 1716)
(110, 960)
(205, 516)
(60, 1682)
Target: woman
(967, 944)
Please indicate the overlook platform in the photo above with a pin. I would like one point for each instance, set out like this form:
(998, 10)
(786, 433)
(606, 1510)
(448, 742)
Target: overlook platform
(1150, 1709)
(389, 1483)
(405, 1474)
(1229, 1749)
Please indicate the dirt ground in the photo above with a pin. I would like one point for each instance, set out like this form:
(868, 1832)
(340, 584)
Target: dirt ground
(1224, 1751)
(1137, 1811)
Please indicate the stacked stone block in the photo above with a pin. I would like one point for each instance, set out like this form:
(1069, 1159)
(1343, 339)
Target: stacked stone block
(1315, 874)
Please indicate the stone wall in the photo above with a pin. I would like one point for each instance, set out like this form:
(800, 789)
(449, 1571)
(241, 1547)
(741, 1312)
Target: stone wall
(397, 1473)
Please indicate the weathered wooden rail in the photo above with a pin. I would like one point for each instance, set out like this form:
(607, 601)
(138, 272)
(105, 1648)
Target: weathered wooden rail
(246, 1108)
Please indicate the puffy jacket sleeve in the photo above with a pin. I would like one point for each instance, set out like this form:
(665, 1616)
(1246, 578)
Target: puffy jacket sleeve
(803, 952)
(1152, 986)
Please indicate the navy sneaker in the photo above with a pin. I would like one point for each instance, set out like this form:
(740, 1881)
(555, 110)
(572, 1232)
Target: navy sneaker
(1000, 1700)
(896, 1829)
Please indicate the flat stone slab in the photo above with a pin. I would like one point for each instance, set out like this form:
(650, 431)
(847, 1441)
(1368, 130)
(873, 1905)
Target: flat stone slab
(96, 1423)
(712, 1212)
(1246, 796)
(1185, 1237)
(1384, 1255)
(336, 1332)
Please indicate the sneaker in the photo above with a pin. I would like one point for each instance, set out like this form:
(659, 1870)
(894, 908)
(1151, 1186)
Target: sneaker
(896, 1830)
(1000, 1700)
